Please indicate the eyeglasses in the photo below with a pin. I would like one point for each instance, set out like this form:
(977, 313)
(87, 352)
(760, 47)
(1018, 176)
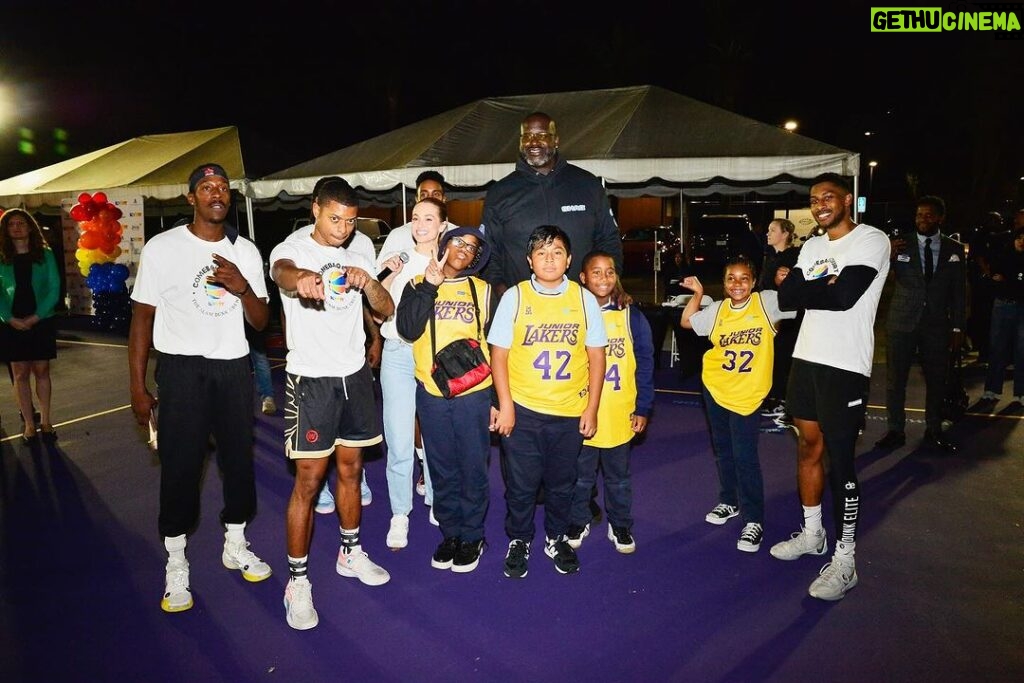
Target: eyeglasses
(463, 244)
(536, 137)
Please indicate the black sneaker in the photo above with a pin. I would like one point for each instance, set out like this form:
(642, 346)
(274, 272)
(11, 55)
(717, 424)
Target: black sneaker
(562, 553)
(445, 554)
(622, 538)
(517, 559)
(750, 538)
(468, 556)
(575, 535)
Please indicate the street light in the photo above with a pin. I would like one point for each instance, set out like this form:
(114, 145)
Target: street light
(791, 126)
(871, 175)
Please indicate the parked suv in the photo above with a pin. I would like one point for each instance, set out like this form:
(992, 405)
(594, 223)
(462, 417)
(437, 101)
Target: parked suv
(714, 238)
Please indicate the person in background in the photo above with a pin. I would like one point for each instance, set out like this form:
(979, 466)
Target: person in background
(983, 242)
(736, 376)
(196, 286)
(1007, 336)
(781, 253)
(29, 290)
(428, 184)
(926, 318)
(398, 370)
(544, 188)
(626, 403)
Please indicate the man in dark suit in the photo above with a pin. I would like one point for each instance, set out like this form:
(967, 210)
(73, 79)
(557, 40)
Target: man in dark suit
(926, 319)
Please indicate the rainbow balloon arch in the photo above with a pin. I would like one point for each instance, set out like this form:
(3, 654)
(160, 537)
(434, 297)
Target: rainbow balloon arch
(97, 253)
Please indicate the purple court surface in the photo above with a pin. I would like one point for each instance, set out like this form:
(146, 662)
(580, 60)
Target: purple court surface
(940, 558)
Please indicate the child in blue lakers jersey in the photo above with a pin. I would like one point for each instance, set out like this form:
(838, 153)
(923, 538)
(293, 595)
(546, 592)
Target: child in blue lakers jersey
(548, 363)
(737, 375)
(625, 407)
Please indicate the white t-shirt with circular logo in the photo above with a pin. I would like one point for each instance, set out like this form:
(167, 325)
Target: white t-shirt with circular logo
(195, 317)
(326, 339)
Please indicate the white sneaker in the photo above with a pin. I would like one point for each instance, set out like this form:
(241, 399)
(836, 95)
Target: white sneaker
(800, 543)
(269, 407)
(357, 564)
(421, 486)
(177, 596)
(836, 577)
(238, 556)
(325, 501)
(365, 494)
(398, 534)
(990, 396)
(298, 605)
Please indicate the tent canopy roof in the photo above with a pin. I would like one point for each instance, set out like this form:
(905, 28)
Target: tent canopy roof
(156, 165)
(637, 135)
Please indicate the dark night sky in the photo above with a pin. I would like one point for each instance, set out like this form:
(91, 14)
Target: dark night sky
(306, 81)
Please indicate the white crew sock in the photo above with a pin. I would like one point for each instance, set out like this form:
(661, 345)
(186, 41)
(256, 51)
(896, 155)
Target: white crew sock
(812, 519)
(235, 533)
(175, 546)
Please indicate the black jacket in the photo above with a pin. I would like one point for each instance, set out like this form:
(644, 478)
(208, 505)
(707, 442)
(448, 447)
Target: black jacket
(567, 197)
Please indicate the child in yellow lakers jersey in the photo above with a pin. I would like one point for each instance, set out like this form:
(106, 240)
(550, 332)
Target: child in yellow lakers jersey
(548, 360)
(626, 402)
(737, 375)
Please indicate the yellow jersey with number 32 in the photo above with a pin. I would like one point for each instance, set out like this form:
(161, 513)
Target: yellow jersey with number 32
(738, 367)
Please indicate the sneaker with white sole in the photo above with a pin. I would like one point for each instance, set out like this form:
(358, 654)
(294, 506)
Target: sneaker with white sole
(238, 556)
(269, 407)
(365, 494)
(445, 553)
(467, 557)
(575, 534)
(721, 513)
(517, 559)
(298, 605)
(750, 538)
(990, 396)
(800, 543)
(622, 538)
(398, 533)
(834, 580)
(357, 564)
(325, 501)
(566, 561)
(177, 595)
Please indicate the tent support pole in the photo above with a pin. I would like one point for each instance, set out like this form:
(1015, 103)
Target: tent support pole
(252, 223)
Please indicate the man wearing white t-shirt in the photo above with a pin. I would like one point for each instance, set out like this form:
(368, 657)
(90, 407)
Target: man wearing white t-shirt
(195, 284)
(330, 406)
(838, 280)
(355, 243)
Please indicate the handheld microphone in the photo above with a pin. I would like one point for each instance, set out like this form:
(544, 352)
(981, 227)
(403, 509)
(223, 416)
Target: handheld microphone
(403, 257)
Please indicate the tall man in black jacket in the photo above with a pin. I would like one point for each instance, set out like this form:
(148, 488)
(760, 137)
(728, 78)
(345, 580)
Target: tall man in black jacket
(544, 190)
(926, 319)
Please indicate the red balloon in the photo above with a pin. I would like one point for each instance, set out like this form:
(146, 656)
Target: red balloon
(78, 213)
(100, 198)
(89, 240)
(84, 198)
